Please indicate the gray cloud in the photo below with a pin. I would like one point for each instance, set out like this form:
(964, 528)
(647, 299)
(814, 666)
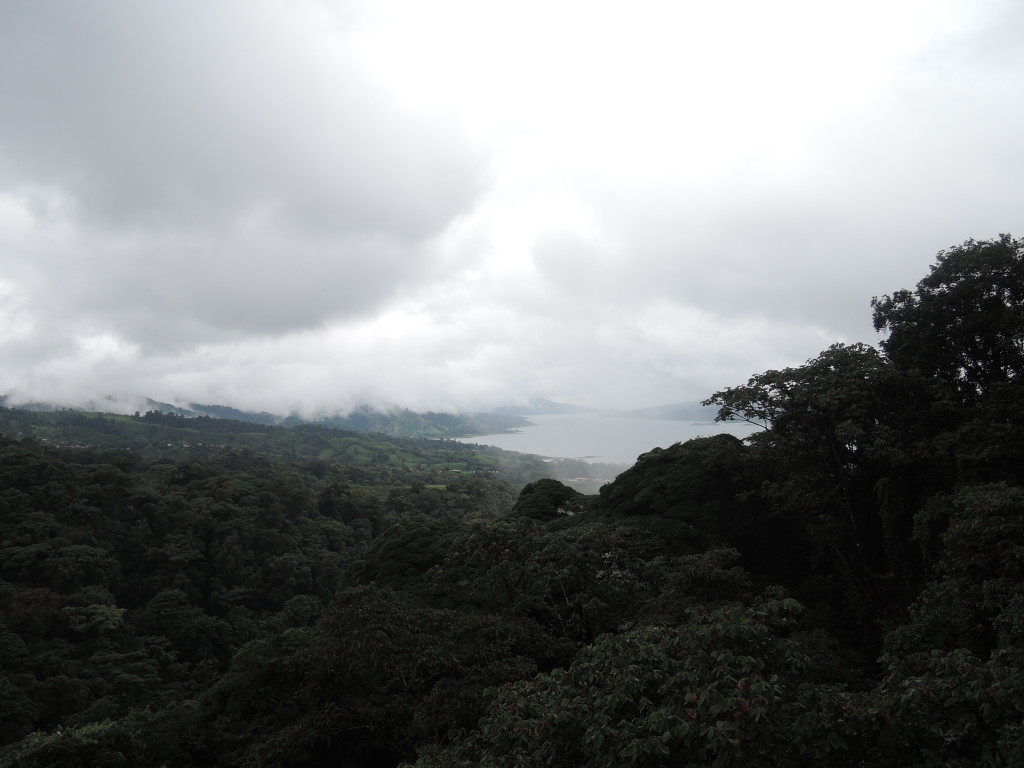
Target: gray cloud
(157, 114)
(264, 204)
(217, 169)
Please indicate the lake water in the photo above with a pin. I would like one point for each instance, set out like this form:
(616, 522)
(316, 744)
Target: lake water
(600, 437)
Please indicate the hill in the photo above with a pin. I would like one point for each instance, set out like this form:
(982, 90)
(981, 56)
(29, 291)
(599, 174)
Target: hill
(542, 407)
(397, 422)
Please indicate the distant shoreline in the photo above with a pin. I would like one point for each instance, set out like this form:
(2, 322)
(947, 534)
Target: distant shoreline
(602, 437)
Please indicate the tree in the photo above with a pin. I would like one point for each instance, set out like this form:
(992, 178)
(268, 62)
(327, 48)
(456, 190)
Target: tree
(964, 322)
(548, 499)
(696, 482)
(575, 582)
(963, 328)
(952, 691)
(843, 435)
(378, 674)
(401, 556)
(730, 687)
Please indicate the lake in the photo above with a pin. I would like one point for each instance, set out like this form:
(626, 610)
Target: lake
(601, 437)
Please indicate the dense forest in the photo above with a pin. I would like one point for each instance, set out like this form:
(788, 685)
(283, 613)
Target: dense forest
(842, 588)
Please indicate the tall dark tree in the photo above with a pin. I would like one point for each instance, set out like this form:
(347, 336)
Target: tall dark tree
(839, 433)
(965, 321)
(963, 328)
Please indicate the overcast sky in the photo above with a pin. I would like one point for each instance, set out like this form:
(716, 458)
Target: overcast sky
(451, 205)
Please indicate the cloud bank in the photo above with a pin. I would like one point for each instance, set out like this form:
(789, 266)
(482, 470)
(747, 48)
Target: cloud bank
(307, 206)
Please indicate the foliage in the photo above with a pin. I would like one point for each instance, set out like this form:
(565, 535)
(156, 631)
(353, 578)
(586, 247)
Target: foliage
(701, 483)
(131, 584)
(728, 687)
(964, 323)
(846, 454)
(547, 499)
(841, 588)
(403, 555)
(377, 675)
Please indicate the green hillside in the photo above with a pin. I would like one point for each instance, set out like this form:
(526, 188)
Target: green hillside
(397, 422)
